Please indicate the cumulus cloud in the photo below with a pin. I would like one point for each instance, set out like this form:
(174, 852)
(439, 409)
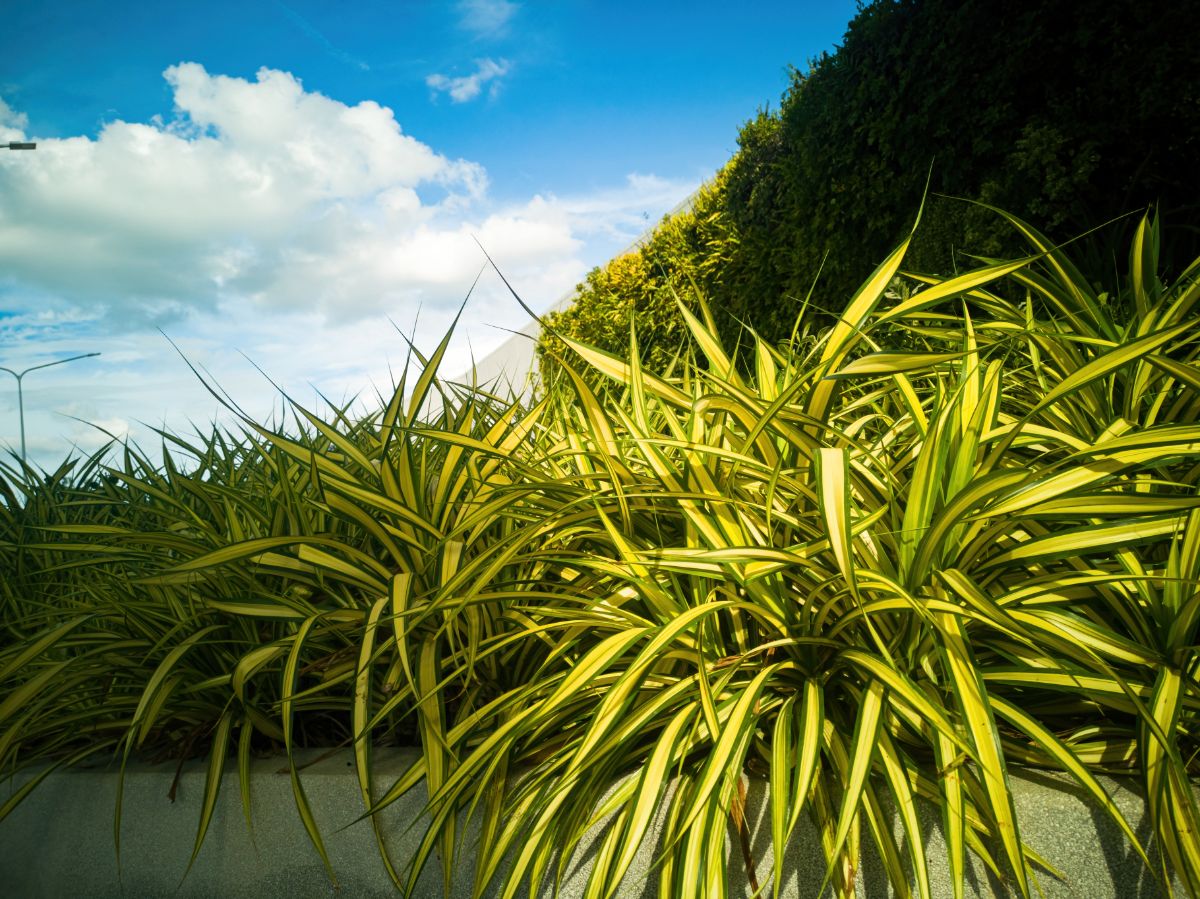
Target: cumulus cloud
(486, 18)
(248, 190)
(259, 193)
(468, 87)
(259, 217)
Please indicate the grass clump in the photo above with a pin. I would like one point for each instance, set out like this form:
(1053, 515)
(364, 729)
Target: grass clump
(951, 534)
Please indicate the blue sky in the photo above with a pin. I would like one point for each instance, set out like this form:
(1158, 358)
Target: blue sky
(278, 182)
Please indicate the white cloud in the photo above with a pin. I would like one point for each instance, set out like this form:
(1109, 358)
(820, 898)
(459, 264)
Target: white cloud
(264, 219)
(623, 213)
(486, 18)
(259, 193)
(468, 87)
(12, 123)
(241, 195)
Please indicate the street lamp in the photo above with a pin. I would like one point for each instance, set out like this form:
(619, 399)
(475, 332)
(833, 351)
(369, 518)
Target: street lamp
(18, 145)
(21, 396)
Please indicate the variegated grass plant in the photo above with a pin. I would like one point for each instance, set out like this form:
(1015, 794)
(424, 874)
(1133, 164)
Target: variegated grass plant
(952, 534)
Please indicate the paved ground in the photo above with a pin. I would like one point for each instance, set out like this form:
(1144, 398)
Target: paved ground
(59, 843)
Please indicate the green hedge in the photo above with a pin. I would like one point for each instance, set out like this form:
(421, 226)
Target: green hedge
(1065, 113)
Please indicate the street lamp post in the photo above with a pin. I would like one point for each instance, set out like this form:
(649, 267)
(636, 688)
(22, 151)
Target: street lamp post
(18, 145)
(21, 396)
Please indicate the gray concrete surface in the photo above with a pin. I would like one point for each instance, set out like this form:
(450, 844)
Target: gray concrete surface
(59, 842)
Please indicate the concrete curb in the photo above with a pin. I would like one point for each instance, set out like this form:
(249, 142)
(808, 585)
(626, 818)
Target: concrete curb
(59, 841)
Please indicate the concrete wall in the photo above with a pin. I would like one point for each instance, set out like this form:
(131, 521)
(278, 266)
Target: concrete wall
(59, 842)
